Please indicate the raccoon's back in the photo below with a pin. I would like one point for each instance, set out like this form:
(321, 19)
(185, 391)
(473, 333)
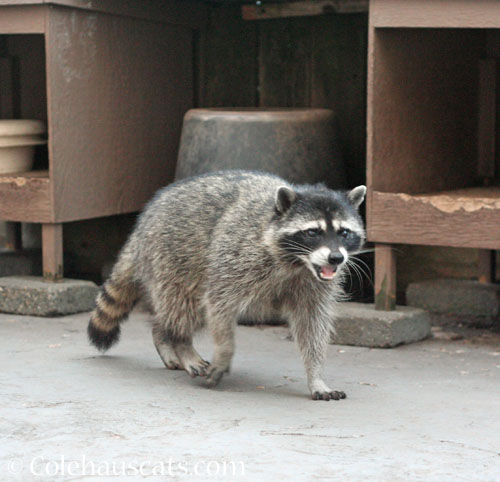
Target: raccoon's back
(176, 229)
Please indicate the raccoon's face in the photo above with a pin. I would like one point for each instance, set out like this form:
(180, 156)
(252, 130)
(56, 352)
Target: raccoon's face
(319, 228)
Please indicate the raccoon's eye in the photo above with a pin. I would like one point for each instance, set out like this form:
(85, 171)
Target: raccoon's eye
(313, 232)
(343, 233)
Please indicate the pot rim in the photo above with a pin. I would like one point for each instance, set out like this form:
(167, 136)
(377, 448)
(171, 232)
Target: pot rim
(20, 127)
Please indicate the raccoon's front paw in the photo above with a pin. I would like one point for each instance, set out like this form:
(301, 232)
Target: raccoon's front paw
(320, 391)
(198, 368)
(215, 374)
(327, 396)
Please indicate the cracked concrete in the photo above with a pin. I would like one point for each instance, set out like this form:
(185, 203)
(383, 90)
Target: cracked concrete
(427, 411)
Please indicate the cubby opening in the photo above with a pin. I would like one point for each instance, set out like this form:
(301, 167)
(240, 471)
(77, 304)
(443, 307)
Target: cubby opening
(427, 103)
(23, 92)
(435, 122)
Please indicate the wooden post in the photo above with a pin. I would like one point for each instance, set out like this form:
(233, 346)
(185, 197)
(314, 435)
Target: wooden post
(385, 278)
(52, 251)
(486, 266)
(14, 237)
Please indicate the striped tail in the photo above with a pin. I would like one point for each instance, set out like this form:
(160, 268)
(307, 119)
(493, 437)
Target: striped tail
(113, 304)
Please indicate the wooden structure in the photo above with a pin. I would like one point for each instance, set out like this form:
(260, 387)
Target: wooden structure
(113, 81)
(432, 171)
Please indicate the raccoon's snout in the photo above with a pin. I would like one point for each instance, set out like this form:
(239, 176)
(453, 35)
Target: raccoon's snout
(335, 259)
(326, 262)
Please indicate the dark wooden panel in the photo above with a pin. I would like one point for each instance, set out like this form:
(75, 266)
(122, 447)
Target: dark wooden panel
(423, 117)
(25, 197)
(466, 218)
(116, 103)
(304, 8)
(339, 44)
(486, 118)
(6, 87)
(285, 63)
(228, 60)
(30, 79)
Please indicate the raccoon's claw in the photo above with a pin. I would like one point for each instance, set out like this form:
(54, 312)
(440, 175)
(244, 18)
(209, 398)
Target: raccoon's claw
(327, 396)
(197, 371)
(214, 375)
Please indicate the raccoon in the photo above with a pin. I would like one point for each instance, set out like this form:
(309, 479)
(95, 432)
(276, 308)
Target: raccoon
(230, 245)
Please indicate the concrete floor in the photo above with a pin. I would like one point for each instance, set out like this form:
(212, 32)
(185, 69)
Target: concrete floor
(429, 411)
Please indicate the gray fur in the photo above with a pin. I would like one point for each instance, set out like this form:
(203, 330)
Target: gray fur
(206, 251)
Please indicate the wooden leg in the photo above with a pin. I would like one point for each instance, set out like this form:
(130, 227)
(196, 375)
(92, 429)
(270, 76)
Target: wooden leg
(52, 251)
(486, 266)
(385, 278)
(14, 239)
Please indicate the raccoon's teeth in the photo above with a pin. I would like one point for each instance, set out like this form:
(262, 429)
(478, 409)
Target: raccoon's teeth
(327, 272)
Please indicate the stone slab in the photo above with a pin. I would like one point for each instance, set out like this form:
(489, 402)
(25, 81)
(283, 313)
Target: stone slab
(30, 295)
(464, 297)
(20, 263)
(360, 324)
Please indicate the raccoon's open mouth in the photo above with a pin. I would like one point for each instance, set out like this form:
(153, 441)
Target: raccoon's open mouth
(326, 272)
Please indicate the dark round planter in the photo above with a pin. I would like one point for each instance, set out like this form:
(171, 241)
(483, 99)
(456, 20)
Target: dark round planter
(300, 145)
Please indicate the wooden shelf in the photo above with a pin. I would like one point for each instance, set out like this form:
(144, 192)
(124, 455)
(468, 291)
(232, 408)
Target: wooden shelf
(434, 14)
(462, 218)
(25, 197)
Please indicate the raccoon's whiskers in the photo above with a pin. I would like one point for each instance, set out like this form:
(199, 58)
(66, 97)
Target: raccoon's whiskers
(350, 264)
(368, 272)
(296, 245)
(363, 251)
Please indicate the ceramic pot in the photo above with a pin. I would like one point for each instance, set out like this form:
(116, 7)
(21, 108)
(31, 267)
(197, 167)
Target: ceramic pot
(300, 145)
(18, 139)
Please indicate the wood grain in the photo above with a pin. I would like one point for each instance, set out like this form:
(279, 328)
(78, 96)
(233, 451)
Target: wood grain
(6, 87)
(25, 198)
(181, 12)
(52, 252)
(338, 81)
(467, 218)
(385, 277)
(30, 89)
(22, 19)
(116, 103)
(228, 60)
(486, 128)
(435, 13)
(301, 9)
(422, 109)
(285, 63)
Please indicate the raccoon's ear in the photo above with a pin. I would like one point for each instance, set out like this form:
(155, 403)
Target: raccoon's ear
(357, 196)
(285, 197)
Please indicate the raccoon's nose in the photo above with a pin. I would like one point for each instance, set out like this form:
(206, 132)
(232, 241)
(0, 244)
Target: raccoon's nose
(335, 259)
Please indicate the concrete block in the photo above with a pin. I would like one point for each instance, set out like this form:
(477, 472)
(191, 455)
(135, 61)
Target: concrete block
(30, 295)
(20, 263)
(360, 324)
(464, 297)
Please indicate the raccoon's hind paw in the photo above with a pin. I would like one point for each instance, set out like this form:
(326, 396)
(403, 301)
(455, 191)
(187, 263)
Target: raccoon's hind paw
(215, 374)
(327, 396)
(191, 361)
